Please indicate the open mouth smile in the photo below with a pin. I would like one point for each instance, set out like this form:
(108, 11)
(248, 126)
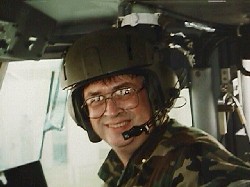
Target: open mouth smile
(118, 125)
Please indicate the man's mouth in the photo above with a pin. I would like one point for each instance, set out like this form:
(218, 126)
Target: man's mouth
(118, 125)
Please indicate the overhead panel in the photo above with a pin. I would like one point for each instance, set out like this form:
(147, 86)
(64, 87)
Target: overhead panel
(25, 37)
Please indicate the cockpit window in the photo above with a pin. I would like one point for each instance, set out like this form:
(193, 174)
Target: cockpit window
(27, 106)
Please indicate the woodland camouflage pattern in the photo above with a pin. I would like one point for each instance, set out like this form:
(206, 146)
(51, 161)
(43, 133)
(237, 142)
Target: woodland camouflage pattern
(175, 155)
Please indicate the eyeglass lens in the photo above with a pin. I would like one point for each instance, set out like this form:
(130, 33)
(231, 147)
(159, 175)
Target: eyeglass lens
(125, 99)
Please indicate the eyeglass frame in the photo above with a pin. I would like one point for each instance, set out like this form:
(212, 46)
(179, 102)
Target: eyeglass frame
(85, 106)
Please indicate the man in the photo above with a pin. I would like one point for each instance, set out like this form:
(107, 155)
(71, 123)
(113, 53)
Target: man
(121, 93)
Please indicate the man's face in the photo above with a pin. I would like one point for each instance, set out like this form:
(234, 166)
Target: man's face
(115, 119)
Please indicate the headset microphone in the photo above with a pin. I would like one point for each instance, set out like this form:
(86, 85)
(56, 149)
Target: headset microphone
(136, 130)
(145, 127)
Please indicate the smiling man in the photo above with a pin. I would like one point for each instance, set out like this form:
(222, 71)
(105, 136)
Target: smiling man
(121, 92)
(113, 107)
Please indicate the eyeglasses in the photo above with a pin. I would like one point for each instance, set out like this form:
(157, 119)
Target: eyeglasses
(124, 98)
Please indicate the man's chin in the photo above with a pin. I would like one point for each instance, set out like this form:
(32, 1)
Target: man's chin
(120, 142)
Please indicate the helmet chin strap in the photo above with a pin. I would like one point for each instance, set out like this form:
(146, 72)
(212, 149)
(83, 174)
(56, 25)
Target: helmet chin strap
(145, 127)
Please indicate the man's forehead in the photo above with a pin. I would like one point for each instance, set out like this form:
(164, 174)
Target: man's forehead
(112, 83)
(117, 79)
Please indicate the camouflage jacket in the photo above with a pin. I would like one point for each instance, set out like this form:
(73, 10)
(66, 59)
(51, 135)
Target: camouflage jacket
(176, 155)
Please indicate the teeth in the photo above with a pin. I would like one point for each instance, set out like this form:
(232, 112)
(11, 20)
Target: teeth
(117, 125)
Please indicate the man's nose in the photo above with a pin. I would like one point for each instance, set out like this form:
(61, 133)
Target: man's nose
(111, 108)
